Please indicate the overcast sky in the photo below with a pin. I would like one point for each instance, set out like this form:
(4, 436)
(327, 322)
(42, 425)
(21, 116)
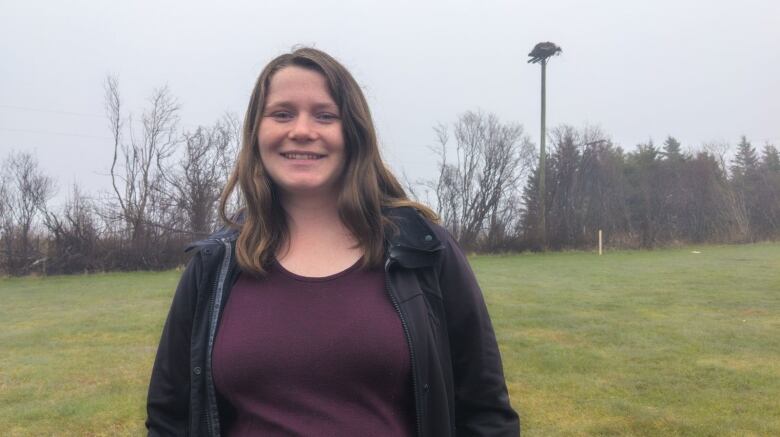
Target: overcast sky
(701, 71)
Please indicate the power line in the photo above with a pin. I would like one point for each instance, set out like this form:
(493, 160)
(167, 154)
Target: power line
(66, 134)
(53, 111)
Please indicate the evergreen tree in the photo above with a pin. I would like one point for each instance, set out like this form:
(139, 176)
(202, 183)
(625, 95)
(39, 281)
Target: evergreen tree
(564, 213)
(645, 199)
(672, 149)
(676, 195)
(531, 210)
(745, 162)
(704, 217)
(602, 191)
(748, 185)
(770, 160)
(646, 153)
(767, 194)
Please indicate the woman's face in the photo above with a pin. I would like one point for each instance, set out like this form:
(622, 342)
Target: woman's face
(300, 136)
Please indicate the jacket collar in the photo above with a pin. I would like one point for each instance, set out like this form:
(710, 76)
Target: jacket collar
(226, 233)
(409, 239)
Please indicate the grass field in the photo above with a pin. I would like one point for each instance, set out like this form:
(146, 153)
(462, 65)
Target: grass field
(656, 343)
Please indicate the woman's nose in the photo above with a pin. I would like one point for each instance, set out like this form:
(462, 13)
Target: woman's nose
(303, 128)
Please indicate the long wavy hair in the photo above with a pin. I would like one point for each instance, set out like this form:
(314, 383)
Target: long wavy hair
(367, 185)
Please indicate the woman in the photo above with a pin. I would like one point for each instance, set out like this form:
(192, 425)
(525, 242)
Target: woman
(332, 304)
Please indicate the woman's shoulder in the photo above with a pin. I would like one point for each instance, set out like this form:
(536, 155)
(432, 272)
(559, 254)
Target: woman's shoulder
(412, 215)
(416, 230)
(414, 224)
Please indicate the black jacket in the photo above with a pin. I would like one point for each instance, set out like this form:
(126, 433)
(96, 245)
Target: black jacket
(458, 382)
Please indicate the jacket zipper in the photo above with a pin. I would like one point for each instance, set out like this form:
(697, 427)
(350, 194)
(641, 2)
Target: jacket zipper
(212, 413)
(417, 400)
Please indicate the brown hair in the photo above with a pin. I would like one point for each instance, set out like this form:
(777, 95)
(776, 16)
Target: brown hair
(367, 184)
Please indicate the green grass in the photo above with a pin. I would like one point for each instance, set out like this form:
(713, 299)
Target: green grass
(659, 343)
(656, 343)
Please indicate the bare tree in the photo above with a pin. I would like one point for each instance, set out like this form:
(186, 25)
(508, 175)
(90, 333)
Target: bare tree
(5, 199)
(720, 150)
(443, 186)
(6, 223)
(475, 191)
(74, 236)
(27, 193)
(135, 169)
(197, 179)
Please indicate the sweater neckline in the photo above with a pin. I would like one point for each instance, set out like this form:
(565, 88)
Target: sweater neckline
(330, 277)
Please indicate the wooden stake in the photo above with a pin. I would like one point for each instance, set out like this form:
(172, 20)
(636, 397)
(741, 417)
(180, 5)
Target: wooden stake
(600, 242)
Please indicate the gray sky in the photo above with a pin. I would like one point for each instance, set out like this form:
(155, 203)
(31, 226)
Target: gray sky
(701, 71)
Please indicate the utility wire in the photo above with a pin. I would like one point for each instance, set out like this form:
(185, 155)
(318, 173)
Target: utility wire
(66, 134)
(53, 111)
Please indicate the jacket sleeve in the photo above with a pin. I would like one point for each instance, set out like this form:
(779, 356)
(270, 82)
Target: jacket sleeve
(167, 404)
(482, 405)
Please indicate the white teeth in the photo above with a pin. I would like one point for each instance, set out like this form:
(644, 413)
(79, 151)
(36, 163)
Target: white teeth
(301, 156)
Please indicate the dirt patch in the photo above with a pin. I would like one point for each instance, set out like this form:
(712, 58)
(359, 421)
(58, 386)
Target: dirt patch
(754, 312)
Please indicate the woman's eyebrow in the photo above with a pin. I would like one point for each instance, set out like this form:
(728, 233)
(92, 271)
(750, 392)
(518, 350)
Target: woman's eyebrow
(290, 104)
(283, 104)
(326, 105)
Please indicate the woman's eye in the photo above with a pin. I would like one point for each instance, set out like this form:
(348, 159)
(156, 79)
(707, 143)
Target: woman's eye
(326, 116)
(281, 115)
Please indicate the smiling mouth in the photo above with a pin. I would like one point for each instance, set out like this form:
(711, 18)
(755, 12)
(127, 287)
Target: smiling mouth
(302, 156)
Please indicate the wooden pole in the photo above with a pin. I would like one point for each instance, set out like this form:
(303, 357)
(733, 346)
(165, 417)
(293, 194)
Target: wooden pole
(600, 242)
(542, 156)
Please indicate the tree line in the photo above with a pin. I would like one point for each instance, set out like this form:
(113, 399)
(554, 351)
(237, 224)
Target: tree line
(487, 190)
(166, 181)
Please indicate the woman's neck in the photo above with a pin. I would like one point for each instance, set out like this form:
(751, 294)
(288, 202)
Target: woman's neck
(311, 212)
(318, 242)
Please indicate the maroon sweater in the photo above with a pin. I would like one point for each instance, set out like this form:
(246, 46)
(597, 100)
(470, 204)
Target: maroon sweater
(314, 357)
